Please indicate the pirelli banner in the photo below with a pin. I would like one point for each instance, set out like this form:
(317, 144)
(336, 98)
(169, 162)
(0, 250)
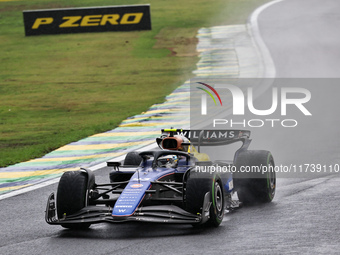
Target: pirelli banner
(84, 20)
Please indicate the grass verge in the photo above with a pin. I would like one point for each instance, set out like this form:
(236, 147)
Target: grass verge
(60, 88)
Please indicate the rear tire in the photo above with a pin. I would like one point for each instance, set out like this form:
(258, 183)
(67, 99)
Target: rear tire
(132, 158)
(72, 196)
(198, 184)
(255, 187)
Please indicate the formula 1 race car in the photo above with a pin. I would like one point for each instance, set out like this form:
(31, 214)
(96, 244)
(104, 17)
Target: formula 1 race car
(174, 184)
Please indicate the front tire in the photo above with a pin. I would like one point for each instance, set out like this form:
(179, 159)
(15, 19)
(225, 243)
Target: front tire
(197, 185)
(72, 196)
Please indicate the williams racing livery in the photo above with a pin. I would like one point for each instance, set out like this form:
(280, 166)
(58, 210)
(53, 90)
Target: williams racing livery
(176, 183)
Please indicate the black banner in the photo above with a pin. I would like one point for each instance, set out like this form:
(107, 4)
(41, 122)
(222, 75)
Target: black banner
(84, 20)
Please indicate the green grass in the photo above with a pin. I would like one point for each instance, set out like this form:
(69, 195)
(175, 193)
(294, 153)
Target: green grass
(57, 89)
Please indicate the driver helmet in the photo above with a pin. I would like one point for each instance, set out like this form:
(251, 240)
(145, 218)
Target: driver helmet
(168, 161)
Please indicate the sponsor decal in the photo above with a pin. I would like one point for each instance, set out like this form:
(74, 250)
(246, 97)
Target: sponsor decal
(231, 185)
(84, 20)
(136, 186)
(193, 135)
(141, 179)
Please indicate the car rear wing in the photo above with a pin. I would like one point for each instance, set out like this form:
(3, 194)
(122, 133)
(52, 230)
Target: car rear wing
(211, 137)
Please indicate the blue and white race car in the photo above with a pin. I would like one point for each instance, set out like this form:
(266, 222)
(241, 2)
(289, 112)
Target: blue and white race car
(174, 184)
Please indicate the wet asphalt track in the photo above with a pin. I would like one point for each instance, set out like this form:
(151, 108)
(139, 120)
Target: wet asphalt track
(303, 38)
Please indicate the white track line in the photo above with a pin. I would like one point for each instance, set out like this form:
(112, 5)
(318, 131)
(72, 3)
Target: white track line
(254, 30)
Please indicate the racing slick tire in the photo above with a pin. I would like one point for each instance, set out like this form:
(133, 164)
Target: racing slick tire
(72, 196)
(257, 185)
(197, 185)
(132, 158)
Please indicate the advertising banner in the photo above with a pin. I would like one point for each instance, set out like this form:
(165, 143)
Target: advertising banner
(85, 20)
